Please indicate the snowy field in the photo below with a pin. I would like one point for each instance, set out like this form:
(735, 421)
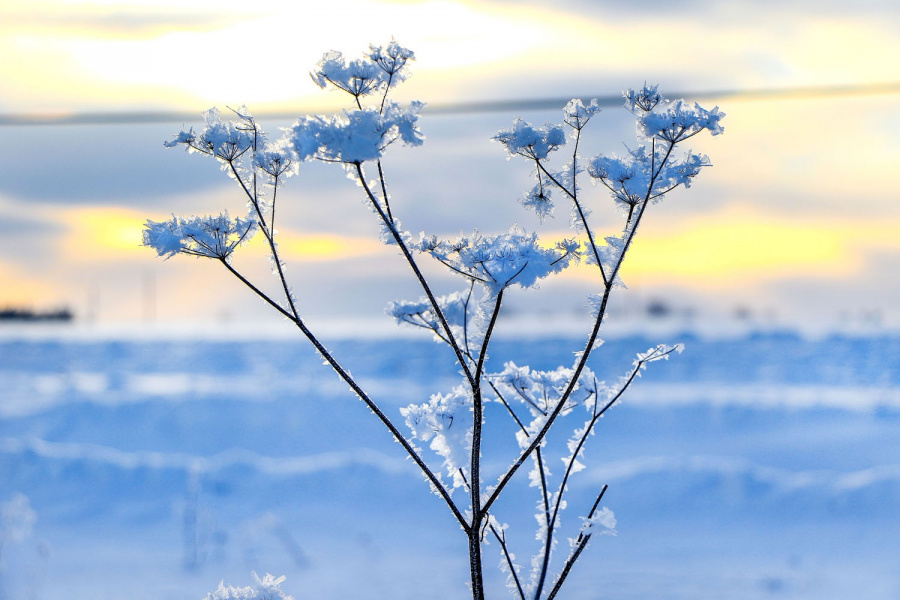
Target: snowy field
(758, 466)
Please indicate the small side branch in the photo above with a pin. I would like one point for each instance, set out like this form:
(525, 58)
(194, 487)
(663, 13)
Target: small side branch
(501, 539)
(574, 196)
(581, 543)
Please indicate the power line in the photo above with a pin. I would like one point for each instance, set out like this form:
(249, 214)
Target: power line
(453, 108)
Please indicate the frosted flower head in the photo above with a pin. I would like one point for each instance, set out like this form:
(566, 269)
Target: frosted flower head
(644, 174)
(381, 67)
(274, 163)
(627, 178)
(577, 114)
(446, 422)
(525, 140)
(266, 588)
(676, 121)
(227, 141)
(392, 59)
(358, 136)
(645, 99)
(538, 199)
(210, 237)
(497, 262)
(461, 312)
(358, 78)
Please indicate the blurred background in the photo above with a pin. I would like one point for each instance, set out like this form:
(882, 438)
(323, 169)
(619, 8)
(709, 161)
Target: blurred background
(162, 429)
(796, 222)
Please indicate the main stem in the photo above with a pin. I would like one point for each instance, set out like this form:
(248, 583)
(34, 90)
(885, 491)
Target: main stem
(479, 514)
(475, 562)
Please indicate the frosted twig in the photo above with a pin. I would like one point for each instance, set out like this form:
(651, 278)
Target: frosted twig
(581, 543)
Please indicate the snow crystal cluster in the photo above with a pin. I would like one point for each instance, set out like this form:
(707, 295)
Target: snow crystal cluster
(212, 237)
(267, 588)
(445, 421)
(497, 262)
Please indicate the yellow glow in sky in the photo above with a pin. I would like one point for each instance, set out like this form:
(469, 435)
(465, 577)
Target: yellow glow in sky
(307, 247)
(739, 244)
(115, 233)
(18, 290)
(712, 250)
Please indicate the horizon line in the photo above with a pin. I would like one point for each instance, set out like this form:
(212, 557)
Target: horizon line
(444, 108)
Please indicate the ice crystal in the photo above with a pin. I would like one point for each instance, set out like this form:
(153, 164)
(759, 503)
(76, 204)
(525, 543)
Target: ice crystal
(267, 588)
(211, 237)
(358, 135)
(525, 140)
(577, 114)
(446, 422)
(497, 262)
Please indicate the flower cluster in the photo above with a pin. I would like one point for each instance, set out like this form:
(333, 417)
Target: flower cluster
(541, 392)
(577, 115)
(523, 139)
(376, 71)
(226, 140)
(643, 175)
(446, 421)
(677, 121)
(211, 237)
(460, 310)
(267, 588)
(500, 261)
(357, 136)
(243, 149)
(644, 99)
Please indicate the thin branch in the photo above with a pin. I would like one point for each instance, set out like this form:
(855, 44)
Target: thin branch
(270, 239)
(469, 276)
(384, 194)
(574, 196)
(466, 318)
(258, 292)
(509, 561)
(581, 543)
(506, 404)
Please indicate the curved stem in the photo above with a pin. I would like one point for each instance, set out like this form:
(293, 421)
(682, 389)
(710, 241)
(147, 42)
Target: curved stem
(384, 194)
(581, 543)
(501, 539)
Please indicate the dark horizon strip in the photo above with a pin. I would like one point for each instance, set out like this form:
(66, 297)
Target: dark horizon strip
(449, 108)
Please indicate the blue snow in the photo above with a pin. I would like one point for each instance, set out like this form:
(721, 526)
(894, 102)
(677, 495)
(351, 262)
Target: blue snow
(759, 466)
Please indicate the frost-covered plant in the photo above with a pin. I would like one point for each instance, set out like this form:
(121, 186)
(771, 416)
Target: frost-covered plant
(267, 588)
(452, 423)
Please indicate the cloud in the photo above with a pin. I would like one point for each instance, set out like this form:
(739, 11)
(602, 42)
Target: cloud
(125, 23)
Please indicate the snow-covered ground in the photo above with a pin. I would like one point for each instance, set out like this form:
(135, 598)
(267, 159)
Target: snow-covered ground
(751, 466)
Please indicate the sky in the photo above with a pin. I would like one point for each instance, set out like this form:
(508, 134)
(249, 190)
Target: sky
(797, 219)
